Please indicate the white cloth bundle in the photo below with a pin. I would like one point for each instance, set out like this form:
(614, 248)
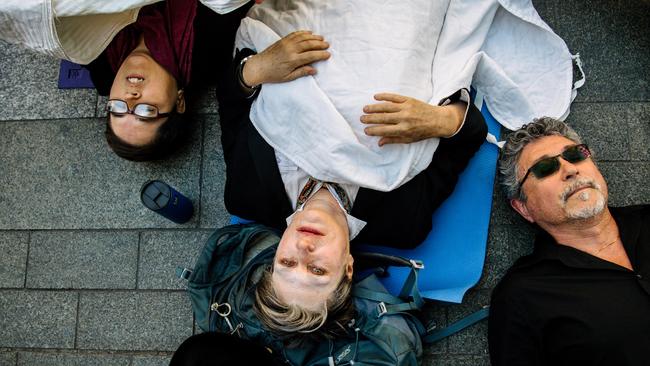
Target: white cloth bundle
(419, 48)
(76, 30)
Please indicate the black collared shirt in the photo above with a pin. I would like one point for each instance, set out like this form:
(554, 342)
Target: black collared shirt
(562, 306)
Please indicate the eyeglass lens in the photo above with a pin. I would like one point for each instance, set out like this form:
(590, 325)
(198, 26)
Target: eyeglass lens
(548, 166)
(141, 110)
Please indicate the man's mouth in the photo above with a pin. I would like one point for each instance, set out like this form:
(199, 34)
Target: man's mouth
(309, 231)
(576, 187)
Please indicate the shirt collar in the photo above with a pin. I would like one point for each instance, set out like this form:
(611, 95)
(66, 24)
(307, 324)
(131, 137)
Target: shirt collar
(354, 225)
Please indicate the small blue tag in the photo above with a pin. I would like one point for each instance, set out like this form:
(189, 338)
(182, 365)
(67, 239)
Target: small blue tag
(74, 76)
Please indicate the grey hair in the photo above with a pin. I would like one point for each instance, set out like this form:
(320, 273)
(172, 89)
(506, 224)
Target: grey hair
(291, 322)
(515, 143)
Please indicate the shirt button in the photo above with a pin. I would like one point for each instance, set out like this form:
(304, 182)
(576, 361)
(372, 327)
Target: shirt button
(639, 276)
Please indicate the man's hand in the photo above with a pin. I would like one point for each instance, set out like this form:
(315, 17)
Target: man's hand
(401, 119)
(286, 60)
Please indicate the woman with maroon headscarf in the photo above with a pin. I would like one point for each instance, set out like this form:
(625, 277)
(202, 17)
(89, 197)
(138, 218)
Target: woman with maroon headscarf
(149, 68)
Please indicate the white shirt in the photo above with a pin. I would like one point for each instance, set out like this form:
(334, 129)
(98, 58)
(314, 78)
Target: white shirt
(419, 48)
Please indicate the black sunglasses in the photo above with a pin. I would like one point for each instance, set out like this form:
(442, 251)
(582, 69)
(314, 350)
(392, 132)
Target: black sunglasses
(547, 166)
(145, 111)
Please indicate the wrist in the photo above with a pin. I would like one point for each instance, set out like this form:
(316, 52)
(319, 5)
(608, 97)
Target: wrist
(455, 116)
(250, 74)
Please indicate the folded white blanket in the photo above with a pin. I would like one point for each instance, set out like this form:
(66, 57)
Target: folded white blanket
(419, 48)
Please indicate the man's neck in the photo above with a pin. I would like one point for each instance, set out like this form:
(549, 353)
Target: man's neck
(586, 234)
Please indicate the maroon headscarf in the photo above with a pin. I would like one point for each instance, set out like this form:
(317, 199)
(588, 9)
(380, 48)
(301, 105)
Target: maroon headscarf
(168, 30)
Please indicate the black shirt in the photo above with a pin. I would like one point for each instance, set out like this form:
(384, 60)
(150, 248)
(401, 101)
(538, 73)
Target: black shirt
(562, 306)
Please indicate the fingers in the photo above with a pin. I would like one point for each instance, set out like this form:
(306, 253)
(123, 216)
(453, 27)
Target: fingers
(394, 140)
(381, 108)
(310, 57)
(384, 130)
(390, 97)
(312, 45)
(381, 118)
(300, 72)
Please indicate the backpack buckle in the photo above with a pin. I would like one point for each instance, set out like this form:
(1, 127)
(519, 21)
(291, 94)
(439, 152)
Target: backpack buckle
(381, 309)
(416, 263)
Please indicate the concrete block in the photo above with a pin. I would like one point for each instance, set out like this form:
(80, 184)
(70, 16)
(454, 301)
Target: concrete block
(29, 88)
(627, 182)
(83, 260)
(162, 252)
(133, 321)
(7, 359)
(213, 210)
(603, 127)
(638, 121)
(62, 175)
(435, 314)
(612, 39)
(37, 319)
(151, 361)
(70, 359)
(506, 243)
(13, 262)
(456, 360)
(471, 340)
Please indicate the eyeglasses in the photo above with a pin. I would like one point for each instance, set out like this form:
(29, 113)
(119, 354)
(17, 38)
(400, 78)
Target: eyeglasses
(547, 166)
(145, 111)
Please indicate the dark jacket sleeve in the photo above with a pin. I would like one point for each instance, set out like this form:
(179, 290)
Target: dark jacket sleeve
(402, 218)
(511, 337)
(254, 188)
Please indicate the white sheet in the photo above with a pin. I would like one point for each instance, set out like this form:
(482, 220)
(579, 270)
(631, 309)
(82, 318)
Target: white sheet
(420, 48)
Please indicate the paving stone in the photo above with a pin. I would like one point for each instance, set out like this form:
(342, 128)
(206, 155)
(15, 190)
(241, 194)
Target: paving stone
(62, 175)
(435, 314)
(151, 361)
(472, 340)
(133, 321)
(42, 319)
(7, 359)
(603, 126)
(83, 260)
(213, 210)
(162, 252)
(612, 39)
(28, 88)
(56, 359)
(627, 182)
(204, 101)
(638, 121)
(502, 213)
(456, 360)
(506, 243)
(13, 262)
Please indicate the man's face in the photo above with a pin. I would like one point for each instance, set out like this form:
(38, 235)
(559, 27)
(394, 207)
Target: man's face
(575, 191)
(140, 79)
(313, 255)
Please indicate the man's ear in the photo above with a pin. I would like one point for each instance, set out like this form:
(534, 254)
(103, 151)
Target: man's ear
(349, 268)
(180, 101)
(520, 207)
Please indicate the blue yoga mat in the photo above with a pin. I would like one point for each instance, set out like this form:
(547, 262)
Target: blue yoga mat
(454, 251)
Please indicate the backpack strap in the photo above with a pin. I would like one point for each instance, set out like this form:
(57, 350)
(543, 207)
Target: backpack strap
(438, 334)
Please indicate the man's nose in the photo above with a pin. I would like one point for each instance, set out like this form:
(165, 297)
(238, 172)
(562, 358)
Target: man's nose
(306, 244)
(568, 170)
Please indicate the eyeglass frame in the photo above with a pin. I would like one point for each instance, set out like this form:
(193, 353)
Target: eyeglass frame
(132, 111)
(556, 157)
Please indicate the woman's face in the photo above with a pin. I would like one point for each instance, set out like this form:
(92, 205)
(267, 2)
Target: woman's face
(140, 79)
(313, 255)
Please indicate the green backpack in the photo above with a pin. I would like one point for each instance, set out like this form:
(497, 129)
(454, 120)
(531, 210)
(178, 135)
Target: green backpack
(384, 332)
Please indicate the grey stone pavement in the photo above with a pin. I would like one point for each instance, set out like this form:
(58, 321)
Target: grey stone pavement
(86, 272)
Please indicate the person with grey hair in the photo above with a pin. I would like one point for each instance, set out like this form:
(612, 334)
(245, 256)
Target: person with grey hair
(583, 296)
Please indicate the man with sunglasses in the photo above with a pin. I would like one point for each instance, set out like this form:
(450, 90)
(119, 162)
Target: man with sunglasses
(583, 296)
